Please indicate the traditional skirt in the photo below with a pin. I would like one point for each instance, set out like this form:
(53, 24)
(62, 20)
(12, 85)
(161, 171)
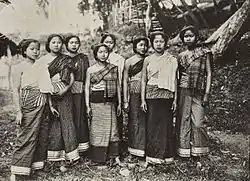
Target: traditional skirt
(104, 137)
(136, 122)
(160, 137)
(32, 138)
(79, 116)
(63, 142)
(192, 136)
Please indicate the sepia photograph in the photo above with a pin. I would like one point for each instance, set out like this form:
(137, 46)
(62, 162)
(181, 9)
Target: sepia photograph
(124, 90)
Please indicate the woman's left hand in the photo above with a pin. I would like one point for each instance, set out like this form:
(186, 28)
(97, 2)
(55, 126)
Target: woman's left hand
(54, 111)
(205, 100)
(61, 92)
(174, 105)
(119, 110)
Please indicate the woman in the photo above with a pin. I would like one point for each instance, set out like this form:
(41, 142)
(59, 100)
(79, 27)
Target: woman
(132, 97)
(31, 90)
(158, 87)
(102, 92)
(62, 138)
(81, 63)
(114, 58)
(117, 60)
(195, 83)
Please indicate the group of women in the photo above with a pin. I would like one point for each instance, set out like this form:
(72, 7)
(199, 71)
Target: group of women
(66, 107)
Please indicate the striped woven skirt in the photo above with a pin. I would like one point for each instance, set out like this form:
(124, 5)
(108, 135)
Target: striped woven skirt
(192, 135)
(32, 139)
(104, 137)
(63, 142)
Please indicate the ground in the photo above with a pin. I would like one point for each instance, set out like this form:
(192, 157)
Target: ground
(228, 160)
(227, 124)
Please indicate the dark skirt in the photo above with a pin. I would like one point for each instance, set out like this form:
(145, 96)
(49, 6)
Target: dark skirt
(160, 136)
(63, 142)
(80, 121)
(136, 127)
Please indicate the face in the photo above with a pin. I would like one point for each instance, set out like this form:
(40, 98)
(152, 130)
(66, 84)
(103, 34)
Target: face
(141, 47)
(109, 42)
(189, 38)
(159, 43)
(33, 51)
(102, 54)
(73, 45)
(55, 44)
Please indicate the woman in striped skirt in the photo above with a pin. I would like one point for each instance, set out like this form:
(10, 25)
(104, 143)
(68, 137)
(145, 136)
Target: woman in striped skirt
(63, 142)
(102, 92)
(31, 90)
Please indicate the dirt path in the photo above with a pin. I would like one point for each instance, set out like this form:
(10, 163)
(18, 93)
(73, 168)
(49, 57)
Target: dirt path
(228, 160)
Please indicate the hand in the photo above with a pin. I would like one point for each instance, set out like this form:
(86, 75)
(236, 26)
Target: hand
(144, 106)
(61, 92)
(119, 110)
(174, 105)
(125, 107)
(54, 111)
(205, 100)
(19, 117)
(89, 112)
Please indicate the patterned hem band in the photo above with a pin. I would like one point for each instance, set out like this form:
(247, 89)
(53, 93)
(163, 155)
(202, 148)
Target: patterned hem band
(83, 147)
(56, 155)
(136, 152)
(199, 151)
(37, 165)
(184, 152)
(159, 161)
(17, 170)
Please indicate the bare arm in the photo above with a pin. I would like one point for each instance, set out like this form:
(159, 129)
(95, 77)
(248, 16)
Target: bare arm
(16, 85)
(125, 83)
(87, 89)
(209, 73)
(143, 86)
(209, 78)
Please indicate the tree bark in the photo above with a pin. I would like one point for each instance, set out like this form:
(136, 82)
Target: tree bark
(230, 31)
(190, 12)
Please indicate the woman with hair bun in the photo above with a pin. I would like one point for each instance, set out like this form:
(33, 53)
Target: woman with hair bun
(158, 96)
(31, 90)
(194, 88)
(132, 97)
(63, 142)
(80, 62)
(102, 93)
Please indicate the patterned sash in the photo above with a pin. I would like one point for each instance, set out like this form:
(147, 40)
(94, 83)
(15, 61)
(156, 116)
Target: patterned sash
(110, 75)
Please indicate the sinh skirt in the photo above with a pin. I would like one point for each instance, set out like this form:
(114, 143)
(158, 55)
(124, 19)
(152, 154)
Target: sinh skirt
(104, 137)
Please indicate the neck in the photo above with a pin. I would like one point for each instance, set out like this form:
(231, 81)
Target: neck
(29, 60)
(72, 54)
(54, 53)
(159, 53)
(139, 56)
(191, 47)
(101, 63)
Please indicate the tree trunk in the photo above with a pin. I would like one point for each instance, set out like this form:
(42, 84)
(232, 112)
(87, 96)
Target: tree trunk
(190, 12)
(230, 31)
